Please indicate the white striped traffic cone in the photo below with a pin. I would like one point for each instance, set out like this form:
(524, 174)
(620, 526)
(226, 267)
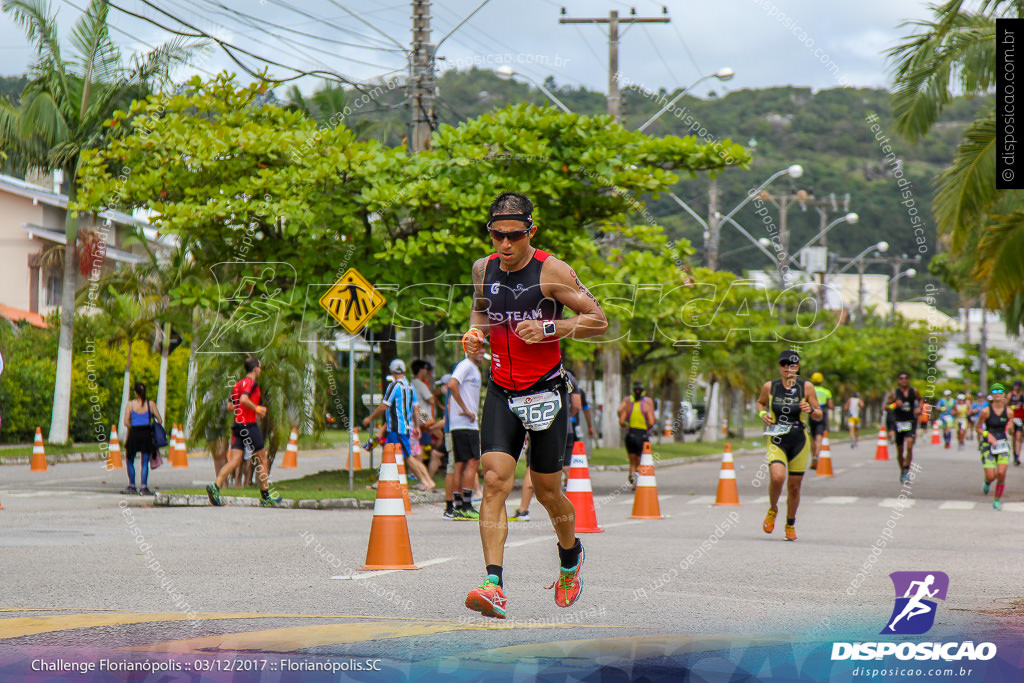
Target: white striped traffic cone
(727, 494)
(645, 501)
(389, 546)
(580, 493)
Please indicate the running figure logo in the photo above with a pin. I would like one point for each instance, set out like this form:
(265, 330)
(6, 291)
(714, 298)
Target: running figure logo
(914, 613)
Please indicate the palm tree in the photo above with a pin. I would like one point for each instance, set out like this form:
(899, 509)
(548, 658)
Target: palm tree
(62, 111)
(955, 51)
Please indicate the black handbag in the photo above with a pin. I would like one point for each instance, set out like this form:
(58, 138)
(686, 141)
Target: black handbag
(159, 433)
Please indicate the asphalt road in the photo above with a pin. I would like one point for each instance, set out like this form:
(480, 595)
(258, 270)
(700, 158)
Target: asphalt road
(73, 557)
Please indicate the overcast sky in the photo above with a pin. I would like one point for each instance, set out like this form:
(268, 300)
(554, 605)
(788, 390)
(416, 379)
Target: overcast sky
(766, 42)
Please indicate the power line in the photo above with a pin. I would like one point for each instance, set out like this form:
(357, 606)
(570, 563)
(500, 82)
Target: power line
(228, 47)
(671, 71)
(249, 18)
(364, 21)
(471, 14)
(285, 5)
(289, 42)
(136, 38)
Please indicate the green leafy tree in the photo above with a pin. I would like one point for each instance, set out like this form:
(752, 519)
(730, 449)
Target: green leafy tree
(61, 113)
(956, 51)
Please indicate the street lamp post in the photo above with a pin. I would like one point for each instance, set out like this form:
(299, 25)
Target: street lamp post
(508, 72)
(711, 230)
(722, 75)
(909, 272)
(859, 261)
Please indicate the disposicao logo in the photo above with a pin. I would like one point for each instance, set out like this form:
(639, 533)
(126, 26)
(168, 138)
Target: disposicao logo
(914, 612)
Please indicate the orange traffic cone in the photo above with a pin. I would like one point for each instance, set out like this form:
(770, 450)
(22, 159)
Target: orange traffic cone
(38, 453)
(402, 480)
(725, 427)
(882, 450)
(728, 494)
(825, 458)
(182, 459)
(668, 430)
(645, 502)
(291, 453)
(172, 446)
(354, 452)
(389, 546)
(936, 438)
(579, 492)
(114, 451)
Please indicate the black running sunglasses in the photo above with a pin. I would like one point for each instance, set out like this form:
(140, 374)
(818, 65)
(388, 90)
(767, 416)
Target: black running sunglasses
(512, 235)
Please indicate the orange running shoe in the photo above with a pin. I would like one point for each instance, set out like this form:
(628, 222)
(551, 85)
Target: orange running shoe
(569, 585)
(790, 532)
(769, 521)
(488, 599)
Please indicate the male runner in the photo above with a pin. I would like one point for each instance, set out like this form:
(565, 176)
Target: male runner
(854, 406)
(636, 416)
(245, 434)
(519, 294)
(904, 406)
(945, 416)
(819, 427)
(1015, 400)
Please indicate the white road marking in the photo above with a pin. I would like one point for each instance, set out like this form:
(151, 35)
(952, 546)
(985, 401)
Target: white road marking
(660, 498)
(615, 524)
(762, 499)
(368, 575)
(896, 502)
(857, 464)
(958, 505)
(838, 500)
(701, 500)
(1013, 507)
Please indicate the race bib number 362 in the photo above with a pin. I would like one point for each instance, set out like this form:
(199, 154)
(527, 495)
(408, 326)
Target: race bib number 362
(536, 411)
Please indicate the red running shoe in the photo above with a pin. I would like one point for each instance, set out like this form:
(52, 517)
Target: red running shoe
(569, 584)
(488, 599)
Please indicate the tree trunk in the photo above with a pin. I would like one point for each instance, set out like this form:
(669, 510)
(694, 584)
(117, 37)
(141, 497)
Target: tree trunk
(676, 397)
(62, 384)
(709, 411)
(308, 397)
(127, 380)
(983, 348)
(741, 413)
(165, 349)
(612, 378)
(190, 385)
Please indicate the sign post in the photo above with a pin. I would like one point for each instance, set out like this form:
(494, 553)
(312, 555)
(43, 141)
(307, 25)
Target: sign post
(352, 301)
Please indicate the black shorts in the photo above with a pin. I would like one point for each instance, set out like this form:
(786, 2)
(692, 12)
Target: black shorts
(818, 427)
(903, 436)
(246, 437)
(502, 432)
(465, 444)
(635, 439)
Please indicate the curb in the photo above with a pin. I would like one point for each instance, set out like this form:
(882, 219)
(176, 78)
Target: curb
(55, 459)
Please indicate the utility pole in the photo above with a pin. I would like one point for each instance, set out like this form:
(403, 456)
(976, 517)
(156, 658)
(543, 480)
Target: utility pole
(422, 123)
(611, 356)
(421, 78)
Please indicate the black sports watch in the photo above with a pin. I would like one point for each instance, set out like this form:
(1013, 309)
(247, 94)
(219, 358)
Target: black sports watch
(549, 328)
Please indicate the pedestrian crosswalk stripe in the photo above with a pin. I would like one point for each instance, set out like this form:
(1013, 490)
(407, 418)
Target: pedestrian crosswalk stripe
(838, 500)
(1013, 507)
(896, 502)
(958, 505)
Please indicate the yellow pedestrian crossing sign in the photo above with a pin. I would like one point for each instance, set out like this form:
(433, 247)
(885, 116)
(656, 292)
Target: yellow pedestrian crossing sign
(352, 301)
